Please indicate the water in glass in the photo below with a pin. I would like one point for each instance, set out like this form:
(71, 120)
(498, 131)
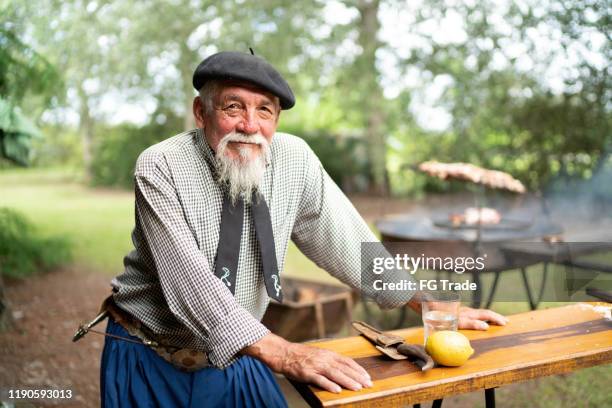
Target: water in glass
(438, 320)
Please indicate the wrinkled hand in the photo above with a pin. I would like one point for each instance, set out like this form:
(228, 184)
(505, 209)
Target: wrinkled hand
(320, 367)
(324, 368)
(476, 319)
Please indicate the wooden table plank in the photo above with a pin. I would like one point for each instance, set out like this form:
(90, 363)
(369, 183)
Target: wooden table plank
(533, 344)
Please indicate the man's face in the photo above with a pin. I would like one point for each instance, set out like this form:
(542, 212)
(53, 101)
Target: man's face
(244, 110)
(239, 129)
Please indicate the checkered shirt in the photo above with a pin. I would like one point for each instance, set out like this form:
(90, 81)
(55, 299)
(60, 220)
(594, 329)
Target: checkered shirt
(168, 282)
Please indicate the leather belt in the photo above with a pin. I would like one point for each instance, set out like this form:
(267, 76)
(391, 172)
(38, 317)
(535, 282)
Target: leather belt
(183, 358)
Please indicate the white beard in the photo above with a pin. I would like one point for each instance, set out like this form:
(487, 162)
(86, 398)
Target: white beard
(242, 175)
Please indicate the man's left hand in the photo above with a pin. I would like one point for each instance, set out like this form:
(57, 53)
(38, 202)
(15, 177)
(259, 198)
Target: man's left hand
(479, 319)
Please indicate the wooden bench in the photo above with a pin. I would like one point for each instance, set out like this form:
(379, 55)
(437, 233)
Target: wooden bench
(533, 344)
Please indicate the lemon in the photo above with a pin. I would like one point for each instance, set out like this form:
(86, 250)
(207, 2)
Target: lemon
(449, 348)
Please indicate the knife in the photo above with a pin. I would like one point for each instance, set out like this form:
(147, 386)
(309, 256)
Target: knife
(394, 346)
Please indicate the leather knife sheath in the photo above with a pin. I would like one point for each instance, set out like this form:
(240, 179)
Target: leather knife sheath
(394, 346)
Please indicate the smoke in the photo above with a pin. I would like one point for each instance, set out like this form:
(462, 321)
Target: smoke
(584, 203)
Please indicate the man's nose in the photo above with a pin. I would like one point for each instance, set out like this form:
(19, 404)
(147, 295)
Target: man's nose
(249, 123)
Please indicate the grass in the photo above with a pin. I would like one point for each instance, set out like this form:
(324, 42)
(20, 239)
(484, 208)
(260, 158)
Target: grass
(23, 251)
(99, 222)
(586, 388)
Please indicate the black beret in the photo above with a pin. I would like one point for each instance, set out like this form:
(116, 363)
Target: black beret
(231, 65)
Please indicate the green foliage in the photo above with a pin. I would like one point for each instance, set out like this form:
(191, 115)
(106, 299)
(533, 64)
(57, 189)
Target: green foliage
(61, 146)
(113, 164)
(23, 251)
(343, 158)
(339, 60)
(509, 117)
(22, 68)
(119, 147)
(23, 72)
(334, 135)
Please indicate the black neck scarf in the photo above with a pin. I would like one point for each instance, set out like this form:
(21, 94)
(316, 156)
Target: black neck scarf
(228, 250)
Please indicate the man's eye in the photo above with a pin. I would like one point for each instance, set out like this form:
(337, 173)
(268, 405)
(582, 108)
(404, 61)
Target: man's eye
(232, 109)
(265, 112)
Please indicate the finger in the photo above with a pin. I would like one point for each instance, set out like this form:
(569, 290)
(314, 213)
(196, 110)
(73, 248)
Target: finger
(324, 383)
(340, 378)
(352, 364)
(360, 375)
(472, 324)
(490, 316)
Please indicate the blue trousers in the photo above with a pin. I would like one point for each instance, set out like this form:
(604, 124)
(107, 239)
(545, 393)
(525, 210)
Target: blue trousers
(133, 375)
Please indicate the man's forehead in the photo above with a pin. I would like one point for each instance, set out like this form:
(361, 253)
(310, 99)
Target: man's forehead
(235, 89)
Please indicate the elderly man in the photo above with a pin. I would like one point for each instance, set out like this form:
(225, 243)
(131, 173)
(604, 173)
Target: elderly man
(215, 210)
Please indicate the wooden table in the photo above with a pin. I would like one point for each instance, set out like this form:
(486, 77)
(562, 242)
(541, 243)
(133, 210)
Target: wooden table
(533, 344)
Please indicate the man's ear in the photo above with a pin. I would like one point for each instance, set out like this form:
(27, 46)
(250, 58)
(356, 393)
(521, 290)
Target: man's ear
(198, 112)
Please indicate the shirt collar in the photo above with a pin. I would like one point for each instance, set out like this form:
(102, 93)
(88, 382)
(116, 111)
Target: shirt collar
(205, 149)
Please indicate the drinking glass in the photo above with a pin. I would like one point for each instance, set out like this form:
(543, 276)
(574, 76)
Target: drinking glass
(440, 311)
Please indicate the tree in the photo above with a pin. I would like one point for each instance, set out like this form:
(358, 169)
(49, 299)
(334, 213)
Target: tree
(26, 79)
(148, 50)
(507, 113)
(372, 98)
(70, 33)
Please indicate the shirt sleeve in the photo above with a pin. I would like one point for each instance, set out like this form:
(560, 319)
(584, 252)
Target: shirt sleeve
(193, 293)
(330, 232)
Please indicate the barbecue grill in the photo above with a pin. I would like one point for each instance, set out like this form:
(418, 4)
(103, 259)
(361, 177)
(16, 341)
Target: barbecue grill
(445, 241)
(437, 235)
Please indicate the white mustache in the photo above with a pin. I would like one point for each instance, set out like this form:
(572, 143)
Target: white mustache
(236, 137)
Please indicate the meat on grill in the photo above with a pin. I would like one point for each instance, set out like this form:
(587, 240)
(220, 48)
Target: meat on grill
(475, 174)
(473, 216)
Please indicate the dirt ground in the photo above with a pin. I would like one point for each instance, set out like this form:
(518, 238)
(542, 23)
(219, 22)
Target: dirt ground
(37, 352)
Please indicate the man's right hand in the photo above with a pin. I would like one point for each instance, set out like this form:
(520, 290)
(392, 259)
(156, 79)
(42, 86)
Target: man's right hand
(320, 367)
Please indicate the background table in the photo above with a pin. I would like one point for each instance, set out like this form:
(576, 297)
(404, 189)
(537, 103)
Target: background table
(533, 344)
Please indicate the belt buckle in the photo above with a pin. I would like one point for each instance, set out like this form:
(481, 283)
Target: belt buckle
(189, 359)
